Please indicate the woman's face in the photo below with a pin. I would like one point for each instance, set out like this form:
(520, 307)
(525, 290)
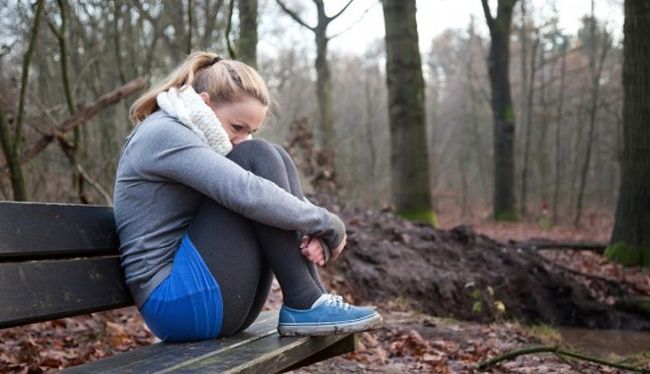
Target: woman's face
(240, 118)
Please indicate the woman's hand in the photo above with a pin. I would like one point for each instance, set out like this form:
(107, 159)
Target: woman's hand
(311, 248)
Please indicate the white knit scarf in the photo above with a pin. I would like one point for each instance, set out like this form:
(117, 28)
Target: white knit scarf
(189, 108)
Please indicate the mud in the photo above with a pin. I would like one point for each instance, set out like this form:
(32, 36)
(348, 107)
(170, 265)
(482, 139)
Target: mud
(461, 274)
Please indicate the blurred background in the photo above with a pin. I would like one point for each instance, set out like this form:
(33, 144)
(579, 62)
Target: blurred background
(565, 77)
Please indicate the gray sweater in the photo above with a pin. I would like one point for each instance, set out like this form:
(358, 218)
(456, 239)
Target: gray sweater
(164, 172)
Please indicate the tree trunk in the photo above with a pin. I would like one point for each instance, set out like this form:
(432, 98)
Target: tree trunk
(558, 137)
(325, 134)
(11, 148)
(528, 126)
(631, 236)
(409, 160)
(12, 161)
(370, 136)
(72, 150)
(596, 68)
(117, 47)
(548, 76)
(248, 32)
(503, 112)
(477, 144)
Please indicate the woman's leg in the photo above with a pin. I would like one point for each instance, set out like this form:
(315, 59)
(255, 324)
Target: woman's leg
(236, 250)
(265, 284)
(228, 246)
(296, 190)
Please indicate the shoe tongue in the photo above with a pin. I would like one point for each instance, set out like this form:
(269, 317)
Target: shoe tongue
(323, 298)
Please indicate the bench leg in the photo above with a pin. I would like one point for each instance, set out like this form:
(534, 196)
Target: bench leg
(345, 345)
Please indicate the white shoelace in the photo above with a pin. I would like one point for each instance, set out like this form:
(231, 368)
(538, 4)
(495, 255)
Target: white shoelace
(337, 301)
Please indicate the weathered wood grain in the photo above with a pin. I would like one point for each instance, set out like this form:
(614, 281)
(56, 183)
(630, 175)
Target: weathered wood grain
(271, 354)
(33, 291)
(35, 230)
(163, 357)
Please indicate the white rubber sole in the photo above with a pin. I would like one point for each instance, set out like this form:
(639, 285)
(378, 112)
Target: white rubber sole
(371, 322)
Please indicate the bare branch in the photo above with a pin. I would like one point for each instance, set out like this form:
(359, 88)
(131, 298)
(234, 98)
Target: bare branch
(101, 190)
(355, 23)
(332, 18)
(488, 14)
(83, 115)
(231, 50)
(25, 75)
(294, 15)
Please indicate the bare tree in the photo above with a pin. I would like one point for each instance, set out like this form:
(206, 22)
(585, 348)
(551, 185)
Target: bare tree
(595, 69)
(409, 160)
(503, 111)
(530, 94)
(324, 132)
(558, 133)
(12, 145)
(630, 242)
(248, 31)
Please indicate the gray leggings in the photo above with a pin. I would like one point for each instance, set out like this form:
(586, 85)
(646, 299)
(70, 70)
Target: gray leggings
(242, 254)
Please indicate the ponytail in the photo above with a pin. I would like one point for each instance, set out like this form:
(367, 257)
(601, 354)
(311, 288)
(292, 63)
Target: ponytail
(225, 81)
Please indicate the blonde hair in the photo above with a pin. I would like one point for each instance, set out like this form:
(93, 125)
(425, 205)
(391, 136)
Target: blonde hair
(224, 80)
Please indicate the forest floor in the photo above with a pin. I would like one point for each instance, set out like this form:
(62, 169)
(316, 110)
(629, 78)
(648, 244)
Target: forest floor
(410, 340)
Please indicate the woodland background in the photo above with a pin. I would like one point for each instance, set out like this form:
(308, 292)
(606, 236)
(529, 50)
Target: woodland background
(566, 88)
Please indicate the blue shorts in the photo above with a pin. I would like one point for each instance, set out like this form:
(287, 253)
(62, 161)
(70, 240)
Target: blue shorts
(187, 305)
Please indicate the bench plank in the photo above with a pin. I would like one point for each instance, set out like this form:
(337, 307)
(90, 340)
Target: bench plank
(33, 291)
(271, 354)
(157, 357)
(36, 230)
(258, 349)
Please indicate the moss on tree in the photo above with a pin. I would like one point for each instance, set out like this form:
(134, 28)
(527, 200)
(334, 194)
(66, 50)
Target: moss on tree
(507, 216)
(627, 255)
(428, 216)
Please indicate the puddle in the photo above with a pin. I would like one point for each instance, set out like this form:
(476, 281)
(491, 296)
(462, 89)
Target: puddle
(605, 342)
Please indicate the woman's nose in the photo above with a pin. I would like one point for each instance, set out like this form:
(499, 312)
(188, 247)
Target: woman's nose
(238, 139)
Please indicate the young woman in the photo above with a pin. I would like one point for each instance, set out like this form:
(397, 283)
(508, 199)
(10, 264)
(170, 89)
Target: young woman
(206, 215)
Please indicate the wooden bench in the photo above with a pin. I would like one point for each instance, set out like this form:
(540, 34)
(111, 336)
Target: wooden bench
(61, 260)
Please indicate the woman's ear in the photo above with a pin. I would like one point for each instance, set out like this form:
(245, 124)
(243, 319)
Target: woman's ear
(205, 97)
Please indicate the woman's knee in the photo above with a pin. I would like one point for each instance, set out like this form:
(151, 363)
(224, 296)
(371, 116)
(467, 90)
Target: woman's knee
(257, 155)
(251, 150)
(280, 149)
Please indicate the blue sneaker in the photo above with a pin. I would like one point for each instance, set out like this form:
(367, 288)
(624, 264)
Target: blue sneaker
(329, 315)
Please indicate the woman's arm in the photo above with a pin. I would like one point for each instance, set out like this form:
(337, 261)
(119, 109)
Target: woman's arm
(167, 151)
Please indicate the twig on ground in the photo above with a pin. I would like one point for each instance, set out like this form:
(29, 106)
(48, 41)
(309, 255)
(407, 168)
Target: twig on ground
(568, 362)
(557, 350)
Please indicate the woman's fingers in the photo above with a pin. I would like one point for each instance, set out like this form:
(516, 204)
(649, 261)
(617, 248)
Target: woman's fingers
(311, 248)
(304, 241)
(313, 251)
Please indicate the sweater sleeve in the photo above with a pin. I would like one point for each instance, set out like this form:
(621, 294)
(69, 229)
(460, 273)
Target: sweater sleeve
(169, 152)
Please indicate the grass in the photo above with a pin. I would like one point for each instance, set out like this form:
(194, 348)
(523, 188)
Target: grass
(546, 333)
